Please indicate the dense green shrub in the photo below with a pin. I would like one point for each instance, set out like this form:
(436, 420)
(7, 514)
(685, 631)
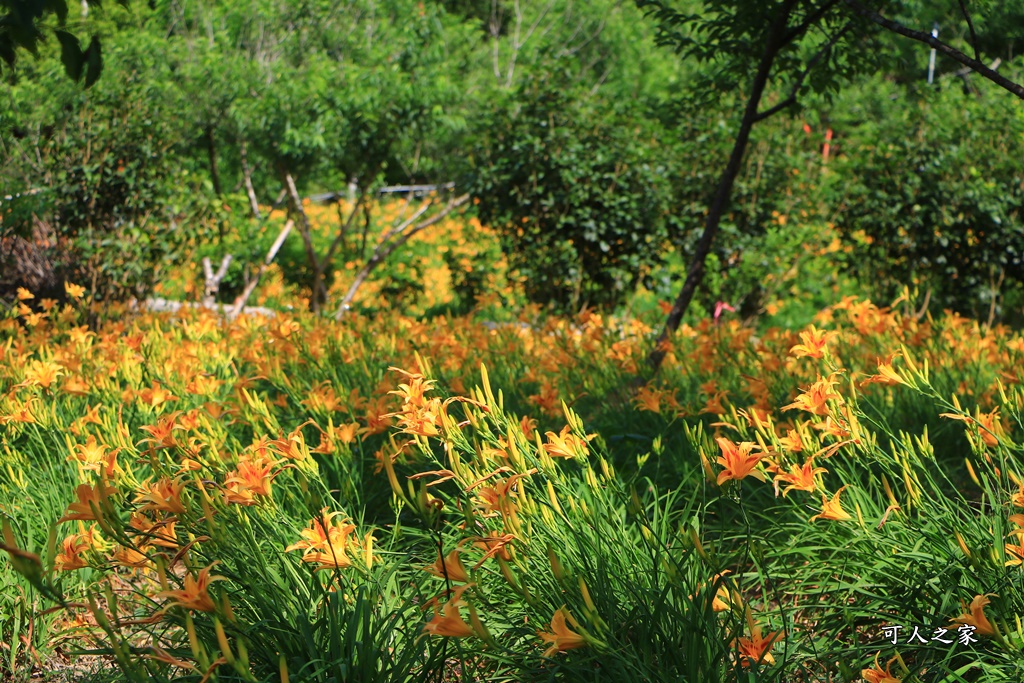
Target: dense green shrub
(104, 181)
(579, 197)
(930, 191)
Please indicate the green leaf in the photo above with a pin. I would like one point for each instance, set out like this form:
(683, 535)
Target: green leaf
(95, 61)
(70, 54)
(58, 7)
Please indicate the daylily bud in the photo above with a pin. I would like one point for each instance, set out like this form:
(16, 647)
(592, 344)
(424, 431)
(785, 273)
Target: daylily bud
(222, 641)
(478, 627)
(556, 566)
(553, 498)
(962, 544)
(970, 470)
(695, 539)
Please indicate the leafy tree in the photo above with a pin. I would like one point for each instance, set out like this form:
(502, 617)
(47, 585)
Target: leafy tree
(579, 198)
(109, 185)
(793, 45)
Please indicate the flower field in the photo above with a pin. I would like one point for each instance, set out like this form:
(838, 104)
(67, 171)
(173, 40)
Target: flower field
(391, 499)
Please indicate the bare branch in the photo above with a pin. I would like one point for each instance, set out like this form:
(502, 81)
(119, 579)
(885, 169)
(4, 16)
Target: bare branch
(242, 298)
(517, 44)
(340, 237)
(970, 26)
(495, 27)
(247, 176)
(212, 280)
(385, 248)
(305, 231)
(938, 45)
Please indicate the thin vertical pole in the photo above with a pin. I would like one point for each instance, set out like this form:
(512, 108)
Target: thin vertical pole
(931, 60)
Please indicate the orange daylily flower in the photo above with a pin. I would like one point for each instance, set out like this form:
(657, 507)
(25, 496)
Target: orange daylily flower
(500, 497)
(70, 556)
(423, 421)
(648, 399)
(527, 425)
(203, 385)
(194, 595)
(1015, 553)
(755, 649)
(249, 479)
(155, 395)
(814, 343)
(75, 385)
(42, 373)
(92, 415)
(324, 543)
(974, 615)
(89, 499)
(714, 405)
(886, 374)
(561, 637)
(94, 457)
(162, 432)
(832, 509)
(990, 425)
(565, 444)
(132, 558)
(163, 495)
(346, 433)
(450, 567)
(157, 533)
(815, 399)
(800, 478)
(792, 441)
(548, 399)
(452, 595)
(1017, 499)
(877, 675)
(449, 625)
(494, 545)
(721, 601)
(412, 394)
(738, 460)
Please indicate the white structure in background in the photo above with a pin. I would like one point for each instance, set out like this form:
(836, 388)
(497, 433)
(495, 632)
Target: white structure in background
(931, 60)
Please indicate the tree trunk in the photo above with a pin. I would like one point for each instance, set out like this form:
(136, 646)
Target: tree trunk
(247, 177)
(695, 272)
(318, 292)
(212, 280)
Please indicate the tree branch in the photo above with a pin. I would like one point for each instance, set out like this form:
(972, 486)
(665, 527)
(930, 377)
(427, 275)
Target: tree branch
(970, 26)
(811, 19)
(384, 249)
(695, 271)
(239, 303)
(213, 280)
(938, 45)
(791, 100)
(305, 231)
(247, 177)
